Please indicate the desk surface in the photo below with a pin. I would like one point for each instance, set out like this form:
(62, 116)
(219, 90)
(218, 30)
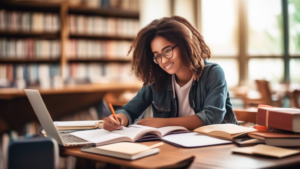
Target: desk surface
(219, 156)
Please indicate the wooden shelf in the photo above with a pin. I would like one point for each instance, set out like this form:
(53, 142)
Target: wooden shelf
(14, 60)
(101, 37)
(30, 5)
(105, 60)
(107, 12)
(20, 34)
(9, 93)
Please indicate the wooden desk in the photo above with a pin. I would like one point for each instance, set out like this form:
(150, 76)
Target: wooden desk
(219, 156)
(246, 115)
(16, 110)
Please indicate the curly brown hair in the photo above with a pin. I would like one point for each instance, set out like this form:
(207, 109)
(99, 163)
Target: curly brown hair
(175, 29)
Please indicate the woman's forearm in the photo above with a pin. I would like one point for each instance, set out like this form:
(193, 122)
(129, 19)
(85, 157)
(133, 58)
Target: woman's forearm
(189, 122)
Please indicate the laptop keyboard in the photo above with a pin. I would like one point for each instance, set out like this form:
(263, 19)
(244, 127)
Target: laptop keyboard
(72, 139)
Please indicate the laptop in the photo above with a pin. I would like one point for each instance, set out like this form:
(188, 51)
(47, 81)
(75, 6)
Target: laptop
(39, 107)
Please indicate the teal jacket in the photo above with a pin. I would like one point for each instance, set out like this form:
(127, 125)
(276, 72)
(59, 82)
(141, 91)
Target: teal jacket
(209, 97)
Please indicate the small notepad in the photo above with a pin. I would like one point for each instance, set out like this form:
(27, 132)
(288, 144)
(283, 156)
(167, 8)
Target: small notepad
(124, 150)
(266, 150)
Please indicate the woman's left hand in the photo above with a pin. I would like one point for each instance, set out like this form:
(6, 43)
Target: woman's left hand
(153, 122)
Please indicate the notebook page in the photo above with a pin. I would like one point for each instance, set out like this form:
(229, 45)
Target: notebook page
(99, 135)
(228, 128)
(177, 129)
(193, 139)
(136, 131)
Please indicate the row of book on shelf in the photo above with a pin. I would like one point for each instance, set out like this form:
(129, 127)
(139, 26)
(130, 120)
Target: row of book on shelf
(80, 24)
(98, 49)
(29, 48)
(29, 21)
(100, 73)
(50, 49)
(48, 75)
(120, 4)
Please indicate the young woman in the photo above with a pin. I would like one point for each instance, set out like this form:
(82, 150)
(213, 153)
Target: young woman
(169, 56)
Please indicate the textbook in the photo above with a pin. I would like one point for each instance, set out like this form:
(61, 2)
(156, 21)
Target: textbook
(133, 133)
(78, 125)
(265, 150)
(124, 150)
(277, 139)
(224, 131)
(279, 118)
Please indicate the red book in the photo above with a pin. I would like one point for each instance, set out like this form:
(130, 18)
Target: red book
(279, 118)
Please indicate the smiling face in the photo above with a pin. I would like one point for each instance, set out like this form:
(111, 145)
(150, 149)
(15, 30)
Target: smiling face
(173, 65)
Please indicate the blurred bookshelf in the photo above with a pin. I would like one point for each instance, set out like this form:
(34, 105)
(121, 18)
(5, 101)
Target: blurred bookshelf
(69, 42)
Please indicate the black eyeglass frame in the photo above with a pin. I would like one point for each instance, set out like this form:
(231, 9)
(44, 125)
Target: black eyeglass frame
(154, 57)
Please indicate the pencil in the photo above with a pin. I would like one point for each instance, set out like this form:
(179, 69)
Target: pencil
(113, 113)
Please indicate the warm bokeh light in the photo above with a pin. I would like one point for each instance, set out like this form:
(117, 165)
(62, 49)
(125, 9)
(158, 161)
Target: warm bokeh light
(219, 26)
(267, 69)
(264, 27)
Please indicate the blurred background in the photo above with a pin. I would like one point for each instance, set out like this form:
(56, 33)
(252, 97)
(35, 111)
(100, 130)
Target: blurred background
(75, 52)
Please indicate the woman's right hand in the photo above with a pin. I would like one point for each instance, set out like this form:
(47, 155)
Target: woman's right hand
(110, 124)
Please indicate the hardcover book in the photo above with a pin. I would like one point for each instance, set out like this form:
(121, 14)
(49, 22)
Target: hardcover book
(279, 118)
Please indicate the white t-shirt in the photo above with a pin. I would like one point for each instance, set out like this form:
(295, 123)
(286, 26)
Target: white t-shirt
(183, 98)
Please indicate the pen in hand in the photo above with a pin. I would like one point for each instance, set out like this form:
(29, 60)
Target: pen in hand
(113, 113)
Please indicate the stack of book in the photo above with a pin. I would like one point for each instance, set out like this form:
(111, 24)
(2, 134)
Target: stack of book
(285, 125)
(28, 21)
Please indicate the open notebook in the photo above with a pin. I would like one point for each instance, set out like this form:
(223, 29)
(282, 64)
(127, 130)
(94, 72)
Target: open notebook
(133, 133)
(224, 131)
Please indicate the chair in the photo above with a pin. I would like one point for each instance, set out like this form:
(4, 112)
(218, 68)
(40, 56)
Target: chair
(246, 115)
(296, 99)
(40, 152)
(267, 97)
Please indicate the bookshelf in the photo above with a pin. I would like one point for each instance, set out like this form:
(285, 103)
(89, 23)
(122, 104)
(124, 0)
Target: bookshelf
(39, 32)
(76, 24)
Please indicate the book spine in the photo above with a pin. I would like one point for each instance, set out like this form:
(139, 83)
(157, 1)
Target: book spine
(261, 116)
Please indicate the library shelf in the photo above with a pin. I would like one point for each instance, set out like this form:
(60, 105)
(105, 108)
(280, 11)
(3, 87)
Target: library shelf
(20, 34)
(37, 60)
(101, 37)
(30, 5)
(106, 12)
(104, 60)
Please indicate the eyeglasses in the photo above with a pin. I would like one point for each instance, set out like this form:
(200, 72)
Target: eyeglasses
(167, 53)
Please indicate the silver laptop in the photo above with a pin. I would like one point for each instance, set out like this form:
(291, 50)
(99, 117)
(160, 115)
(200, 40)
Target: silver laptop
(45, 119)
